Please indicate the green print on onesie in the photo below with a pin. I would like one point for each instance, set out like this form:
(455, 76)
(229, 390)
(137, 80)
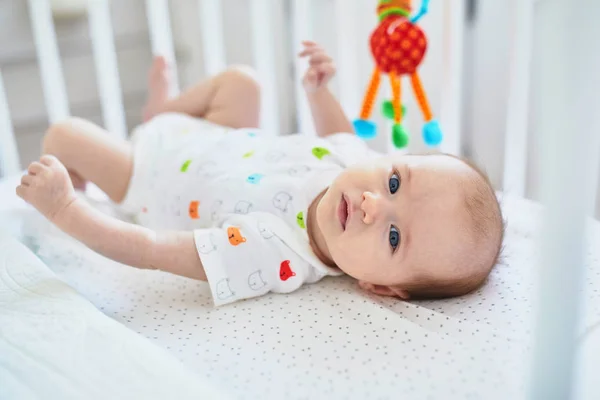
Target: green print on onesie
(300, 220)
(185, 165)
(320, 152)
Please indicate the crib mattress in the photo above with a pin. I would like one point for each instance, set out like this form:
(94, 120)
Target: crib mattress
(330, 339)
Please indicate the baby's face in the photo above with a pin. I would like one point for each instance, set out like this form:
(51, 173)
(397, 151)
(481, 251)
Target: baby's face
(396, 218)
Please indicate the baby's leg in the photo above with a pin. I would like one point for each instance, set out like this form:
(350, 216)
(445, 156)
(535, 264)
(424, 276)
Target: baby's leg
(91, 154)
(231, 98)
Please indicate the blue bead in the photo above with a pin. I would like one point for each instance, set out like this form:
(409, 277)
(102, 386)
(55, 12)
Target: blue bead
(365, 129)
(432, 133)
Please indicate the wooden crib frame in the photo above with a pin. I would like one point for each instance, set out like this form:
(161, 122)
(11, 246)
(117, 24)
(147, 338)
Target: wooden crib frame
(567, 87)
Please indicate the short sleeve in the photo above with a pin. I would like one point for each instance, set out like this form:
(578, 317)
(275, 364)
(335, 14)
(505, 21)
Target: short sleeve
(243, 258)
(351, 148)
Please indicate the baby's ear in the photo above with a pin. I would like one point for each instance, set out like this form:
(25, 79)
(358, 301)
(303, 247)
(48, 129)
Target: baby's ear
(381, 290)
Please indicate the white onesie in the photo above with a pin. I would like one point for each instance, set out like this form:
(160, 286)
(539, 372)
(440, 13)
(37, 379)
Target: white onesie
(243, 193)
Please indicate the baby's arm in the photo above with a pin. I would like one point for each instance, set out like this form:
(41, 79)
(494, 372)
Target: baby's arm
(48, 188)
(328, 115)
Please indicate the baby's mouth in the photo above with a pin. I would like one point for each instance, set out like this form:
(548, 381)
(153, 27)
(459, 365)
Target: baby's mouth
(343, 212)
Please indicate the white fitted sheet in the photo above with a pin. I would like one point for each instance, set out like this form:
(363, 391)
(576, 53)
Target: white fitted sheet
(331, 339)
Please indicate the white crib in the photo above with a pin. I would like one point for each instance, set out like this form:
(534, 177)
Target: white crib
(566, 80)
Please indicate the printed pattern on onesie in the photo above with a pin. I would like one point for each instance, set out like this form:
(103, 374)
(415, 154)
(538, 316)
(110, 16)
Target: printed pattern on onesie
(244, 258)
(241, 172)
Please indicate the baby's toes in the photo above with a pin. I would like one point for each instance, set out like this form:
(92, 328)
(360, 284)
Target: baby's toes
(158, 70)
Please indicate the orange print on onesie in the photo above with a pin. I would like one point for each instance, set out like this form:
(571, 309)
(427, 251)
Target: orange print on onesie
(194, 210)
(235, 236)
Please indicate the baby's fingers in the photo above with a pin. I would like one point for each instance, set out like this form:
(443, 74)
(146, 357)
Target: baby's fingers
(320, 58)
(309, 50)
(19, 191)
(311, 76)
(35, 168)
(22, 191)
(327, 69)
(27, 180)
(48, 160)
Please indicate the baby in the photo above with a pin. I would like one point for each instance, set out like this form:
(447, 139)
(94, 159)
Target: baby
(215, 199)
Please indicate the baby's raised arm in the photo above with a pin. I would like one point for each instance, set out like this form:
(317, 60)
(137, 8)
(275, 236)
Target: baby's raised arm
(48, 188)
(327, 113)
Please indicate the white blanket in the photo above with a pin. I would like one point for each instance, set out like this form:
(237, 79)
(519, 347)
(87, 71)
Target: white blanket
(330, 339)
(55, 344)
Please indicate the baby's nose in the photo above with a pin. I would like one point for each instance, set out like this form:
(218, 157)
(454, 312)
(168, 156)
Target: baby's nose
(371, 206)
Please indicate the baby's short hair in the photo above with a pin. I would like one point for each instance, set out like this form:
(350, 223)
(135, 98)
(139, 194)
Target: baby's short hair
(487, 229)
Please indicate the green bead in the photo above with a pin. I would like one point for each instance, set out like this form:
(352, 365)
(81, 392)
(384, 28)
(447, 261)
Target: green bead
(399, 136)
(387, 109)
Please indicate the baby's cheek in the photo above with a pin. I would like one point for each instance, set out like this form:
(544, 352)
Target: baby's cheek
(355, 257)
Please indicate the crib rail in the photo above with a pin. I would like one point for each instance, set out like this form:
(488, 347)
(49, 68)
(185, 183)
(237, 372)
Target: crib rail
(107, 70)
(569, 100)
(53, 83)
(515, 149)
(9, 157)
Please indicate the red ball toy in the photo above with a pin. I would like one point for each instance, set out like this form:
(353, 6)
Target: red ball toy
(398, 46)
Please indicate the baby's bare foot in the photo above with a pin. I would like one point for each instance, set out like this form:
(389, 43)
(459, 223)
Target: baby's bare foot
(158, 87)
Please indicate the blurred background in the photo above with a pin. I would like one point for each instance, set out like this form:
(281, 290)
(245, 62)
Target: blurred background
(485, 62)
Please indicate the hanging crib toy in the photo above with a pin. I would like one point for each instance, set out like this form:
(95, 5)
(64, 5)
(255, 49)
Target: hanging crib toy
(398, 46)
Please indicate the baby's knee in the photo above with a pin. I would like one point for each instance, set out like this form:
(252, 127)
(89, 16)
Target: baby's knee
(243, 77)
(59, 134)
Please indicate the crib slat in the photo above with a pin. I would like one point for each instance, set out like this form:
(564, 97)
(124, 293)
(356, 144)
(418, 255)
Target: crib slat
(161, 37)
(9, 157)
(55, 92)
(568, 87)
(452, 83)
(302, 30)
(515, 147)
(347, 61)
(211, 25)
(107, 70)
(264, 60)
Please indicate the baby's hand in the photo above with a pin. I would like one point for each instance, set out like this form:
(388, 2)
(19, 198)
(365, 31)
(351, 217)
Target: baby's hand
(321, 68)
(47, 187)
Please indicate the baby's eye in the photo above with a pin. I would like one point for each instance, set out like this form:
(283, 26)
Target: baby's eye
(394, 238)
(394, 183)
